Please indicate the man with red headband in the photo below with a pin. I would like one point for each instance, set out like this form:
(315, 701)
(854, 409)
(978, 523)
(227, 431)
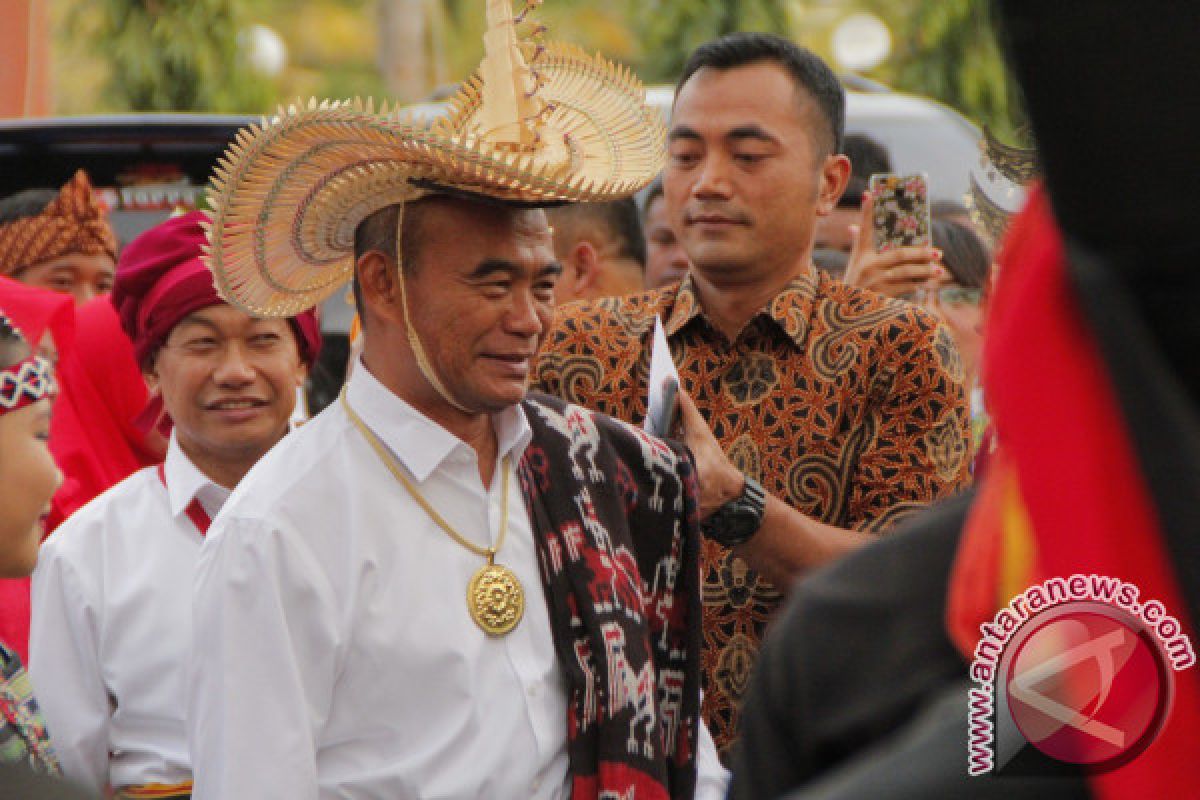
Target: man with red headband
(112, 594)
(58, 240)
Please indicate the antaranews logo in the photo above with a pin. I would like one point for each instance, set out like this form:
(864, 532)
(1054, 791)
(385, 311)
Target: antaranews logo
(1079, 668)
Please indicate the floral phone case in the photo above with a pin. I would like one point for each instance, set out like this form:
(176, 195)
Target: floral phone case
(901, 210)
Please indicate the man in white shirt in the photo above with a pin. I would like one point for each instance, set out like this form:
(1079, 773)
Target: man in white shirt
(111, 625)
(440, 587)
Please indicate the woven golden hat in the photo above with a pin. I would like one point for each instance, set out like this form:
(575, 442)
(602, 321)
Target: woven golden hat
(536, 124)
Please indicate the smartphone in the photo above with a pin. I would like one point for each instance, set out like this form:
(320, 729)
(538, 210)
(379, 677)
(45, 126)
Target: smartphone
(901, 210)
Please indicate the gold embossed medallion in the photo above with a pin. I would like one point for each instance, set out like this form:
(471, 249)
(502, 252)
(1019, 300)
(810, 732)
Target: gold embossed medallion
(495, 599)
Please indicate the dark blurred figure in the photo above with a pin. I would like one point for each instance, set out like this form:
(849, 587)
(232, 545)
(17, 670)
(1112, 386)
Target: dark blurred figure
(666, 260)
(601, 248)
(1093, 380)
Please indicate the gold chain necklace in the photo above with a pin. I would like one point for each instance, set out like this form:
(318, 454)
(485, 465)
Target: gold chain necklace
(495, 597)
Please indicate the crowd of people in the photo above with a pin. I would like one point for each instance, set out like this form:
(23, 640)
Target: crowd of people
(475, 574)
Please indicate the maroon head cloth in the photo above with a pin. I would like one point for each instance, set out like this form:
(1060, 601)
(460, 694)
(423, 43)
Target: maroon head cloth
(161, 279)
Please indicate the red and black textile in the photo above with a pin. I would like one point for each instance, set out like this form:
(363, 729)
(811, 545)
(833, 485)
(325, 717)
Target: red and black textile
(615, 518)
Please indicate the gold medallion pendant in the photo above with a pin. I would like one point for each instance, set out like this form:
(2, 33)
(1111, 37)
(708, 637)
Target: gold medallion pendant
(495, 599)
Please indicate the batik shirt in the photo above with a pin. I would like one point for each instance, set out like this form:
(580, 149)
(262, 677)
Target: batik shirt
(847, 405)
(23, 737)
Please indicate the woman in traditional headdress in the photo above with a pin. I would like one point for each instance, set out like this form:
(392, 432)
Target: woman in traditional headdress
(46, 320)
(28, 478)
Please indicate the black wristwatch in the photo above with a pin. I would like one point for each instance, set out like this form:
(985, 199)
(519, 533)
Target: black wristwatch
(739, 519)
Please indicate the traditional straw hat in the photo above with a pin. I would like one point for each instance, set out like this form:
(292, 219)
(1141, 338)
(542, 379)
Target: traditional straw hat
(556, 126)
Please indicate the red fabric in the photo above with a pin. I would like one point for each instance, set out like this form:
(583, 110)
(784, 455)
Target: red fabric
(34, 311)
(1059, 422)
(92, 434)
(161, 279)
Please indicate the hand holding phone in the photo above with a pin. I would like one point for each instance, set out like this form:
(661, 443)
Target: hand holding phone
(893, 252)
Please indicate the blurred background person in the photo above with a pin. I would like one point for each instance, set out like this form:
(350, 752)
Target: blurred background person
(957, 298)
(666, 260)
(601, 248)
(60, 240)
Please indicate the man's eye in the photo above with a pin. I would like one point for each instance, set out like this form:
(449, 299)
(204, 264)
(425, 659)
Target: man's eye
(683, 157)
(748, 158)
(200, 344)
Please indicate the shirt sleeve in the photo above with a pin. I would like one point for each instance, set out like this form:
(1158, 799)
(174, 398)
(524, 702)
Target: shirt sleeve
(917, 433)
(65, 669)
(261, 674)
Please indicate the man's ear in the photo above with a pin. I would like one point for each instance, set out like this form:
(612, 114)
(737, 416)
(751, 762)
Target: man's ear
(586, 260)
(150, 374)
(835, 174)
(379, 283)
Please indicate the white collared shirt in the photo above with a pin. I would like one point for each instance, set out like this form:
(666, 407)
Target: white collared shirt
(111, 627)
(334, 652)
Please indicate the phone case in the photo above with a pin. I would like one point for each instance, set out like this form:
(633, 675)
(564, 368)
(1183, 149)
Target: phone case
(901, 210)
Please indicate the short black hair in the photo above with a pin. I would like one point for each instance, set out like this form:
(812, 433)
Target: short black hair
(28, 203)
(963, 252)
(807, 70)
(619, 218)
(867, 157)
(377, 232)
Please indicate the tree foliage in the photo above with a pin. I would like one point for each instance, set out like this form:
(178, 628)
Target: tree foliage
(671, 29)
(948, 50)
(175, 55)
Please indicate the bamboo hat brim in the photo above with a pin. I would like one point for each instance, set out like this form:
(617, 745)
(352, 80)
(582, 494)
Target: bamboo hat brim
(290, 192)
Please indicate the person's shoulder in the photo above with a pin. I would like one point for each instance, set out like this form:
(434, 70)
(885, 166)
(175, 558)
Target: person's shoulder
(864, 308)
(627, 317)
(299, 464)
(893, 329)
(121, 509)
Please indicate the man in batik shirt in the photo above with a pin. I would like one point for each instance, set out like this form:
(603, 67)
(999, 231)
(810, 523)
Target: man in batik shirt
(825, 412)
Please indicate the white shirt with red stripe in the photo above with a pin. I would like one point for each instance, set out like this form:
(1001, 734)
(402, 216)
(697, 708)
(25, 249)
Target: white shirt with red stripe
(112, 622)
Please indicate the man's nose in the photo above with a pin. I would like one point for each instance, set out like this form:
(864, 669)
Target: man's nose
(523, 317)
(713, 178)
(83, 292)
(234, 367)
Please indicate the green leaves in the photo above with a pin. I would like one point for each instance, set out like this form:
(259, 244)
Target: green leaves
(177, 55)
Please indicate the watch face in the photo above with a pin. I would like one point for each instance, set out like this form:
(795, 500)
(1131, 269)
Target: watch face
(742, 524)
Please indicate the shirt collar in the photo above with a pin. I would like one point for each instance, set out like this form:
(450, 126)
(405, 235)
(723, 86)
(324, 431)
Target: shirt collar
(791, 309)
(185, 481)
(418, 442)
